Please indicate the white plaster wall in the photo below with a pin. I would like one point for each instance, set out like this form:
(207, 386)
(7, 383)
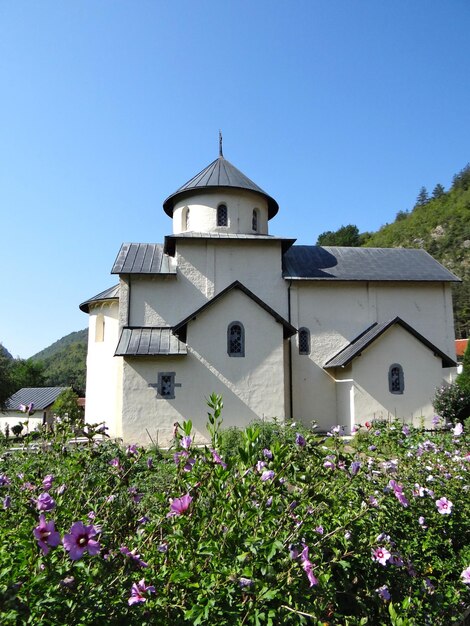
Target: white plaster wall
(203, 212)
(12, 418)
(204, 268)
(423, 373)
(251, 386)
(104, 370)
(336, 313)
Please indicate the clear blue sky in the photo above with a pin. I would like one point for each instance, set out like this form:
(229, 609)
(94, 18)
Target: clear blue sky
(339, 109)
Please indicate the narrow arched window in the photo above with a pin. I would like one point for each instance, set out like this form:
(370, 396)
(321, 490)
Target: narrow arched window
(236, 339)
(222, 215)
(99, 329)
(396, 381)
(304, 341)
(186, 219)
(254, 221)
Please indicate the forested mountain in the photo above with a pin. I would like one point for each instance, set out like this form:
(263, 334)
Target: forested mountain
(80, 336)
(439, 223)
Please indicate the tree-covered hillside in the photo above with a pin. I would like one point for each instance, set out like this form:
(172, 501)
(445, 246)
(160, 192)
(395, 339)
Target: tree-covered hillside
(439, 223)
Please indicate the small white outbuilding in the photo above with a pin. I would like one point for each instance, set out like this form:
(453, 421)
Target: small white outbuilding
(326, 334)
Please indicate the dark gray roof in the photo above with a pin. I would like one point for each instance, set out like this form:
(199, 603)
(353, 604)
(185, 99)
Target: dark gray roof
(180, 328)
(364, 340)
(149, 342)
(370, 264)
(170, 240)
(219, 173)
(41, 397)
(142, 258)
(108, 294)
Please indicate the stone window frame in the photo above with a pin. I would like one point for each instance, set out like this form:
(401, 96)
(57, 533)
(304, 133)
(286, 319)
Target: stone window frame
(230, 351)
(304, 336)
(222, 215)
(396, 379)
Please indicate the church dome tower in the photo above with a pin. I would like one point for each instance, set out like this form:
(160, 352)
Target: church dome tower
(220, 199)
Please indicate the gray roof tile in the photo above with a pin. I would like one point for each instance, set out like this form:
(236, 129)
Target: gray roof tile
(145, 341)
(369, 264)
(108, 294)
(142, 258)
(41, 397)
(219, 173)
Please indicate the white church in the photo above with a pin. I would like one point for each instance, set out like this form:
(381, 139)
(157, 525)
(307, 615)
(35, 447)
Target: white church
(331, 335)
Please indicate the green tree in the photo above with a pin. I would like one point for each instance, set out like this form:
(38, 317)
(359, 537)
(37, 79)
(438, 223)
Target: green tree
(423, 197)
(438, 191)
(66, 406)
(6, 382)
(27, 373)
(345, 236)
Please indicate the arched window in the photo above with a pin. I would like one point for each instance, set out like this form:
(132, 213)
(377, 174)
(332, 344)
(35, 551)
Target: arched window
(254, 221)
(396, 381)
(236, 339)
(304, 341)
(186, 218)
(99, 329)
(222, 215)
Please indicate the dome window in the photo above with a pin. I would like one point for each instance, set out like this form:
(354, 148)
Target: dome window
(254, 221)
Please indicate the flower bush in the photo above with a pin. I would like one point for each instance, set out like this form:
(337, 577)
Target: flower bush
(286, 529)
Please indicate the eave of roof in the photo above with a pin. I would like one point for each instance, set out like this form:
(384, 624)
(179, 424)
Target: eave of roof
(219, 174)
(180, 329)
(332, 263)
(149, 341)
(142, 258)
(108, 294)
(355, 348)
(170, 240)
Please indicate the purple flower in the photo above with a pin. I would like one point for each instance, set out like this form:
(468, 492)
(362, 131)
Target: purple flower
(245, 582)
(293, 551)
(267, 453)
(27, 408)
(299, 440)
(308, 567)
(46, 535)
(260, 465)
(6, 502)
(47, 482)
(137, 591)
(217, 459)
(163, 547)
(319, 530)
(136, 497)
(179, 506)
(132, 450)
(373, 501)
(186, 442)
(61, 489)
(383, 592)
(267, 475)
(444, 506)
(45, 502)
(132, 554)
(381, 555)
(465, 576)
(149, 463)
(405, 430)
(115, 463)
(355, 467)
(79, 540)
(4, 480)
(435, 420)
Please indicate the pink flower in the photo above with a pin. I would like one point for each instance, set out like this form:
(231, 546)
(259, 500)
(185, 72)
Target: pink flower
(444, 506)
(137, 591)
(381, 555)
(465, 576)
(79, 541)
(46, 535)
(178, 506)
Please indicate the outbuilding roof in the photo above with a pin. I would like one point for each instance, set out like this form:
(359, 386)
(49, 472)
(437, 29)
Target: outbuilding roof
(146, 341)
(365, 339)
(180, 329)
(219, 174)
(142, 258)
(41, 397)
(366, 264)
(108, 294)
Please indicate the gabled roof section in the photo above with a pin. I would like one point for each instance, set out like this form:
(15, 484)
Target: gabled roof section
(108, 294)
(170, 240)
(219, 174)
(142, 258)
(180, 329)
(145, 341)
(41, 397)
(365, 339)
(366, 264)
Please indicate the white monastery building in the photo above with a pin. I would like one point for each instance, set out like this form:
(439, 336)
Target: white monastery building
(326, 334)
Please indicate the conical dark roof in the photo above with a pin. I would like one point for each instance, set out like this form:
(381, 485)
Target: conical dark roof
(220, 173)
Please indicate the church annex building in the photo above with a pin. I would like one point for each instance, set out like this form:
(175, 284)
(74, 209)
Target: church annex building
(326, 334)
